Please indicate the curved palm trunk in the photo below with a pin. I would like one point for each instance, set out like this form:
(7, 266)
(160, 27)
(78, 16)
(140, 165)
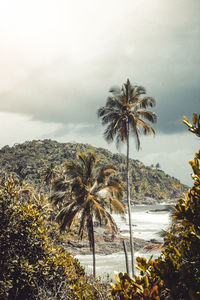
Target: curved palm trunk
(129, 202)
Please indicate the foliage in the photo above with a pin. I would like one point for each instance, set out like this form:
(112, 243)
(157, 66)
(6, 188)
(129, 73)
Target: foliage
(195, 127)
(31, 265)
(179, 266)
(32, 162)
(176, 273)
(138, 287)
(127, 106)
(88, 191)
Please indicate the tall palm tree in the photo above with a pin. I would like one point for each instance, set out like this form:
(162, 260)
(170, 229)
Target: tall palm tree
(124, 113)
(88, 191)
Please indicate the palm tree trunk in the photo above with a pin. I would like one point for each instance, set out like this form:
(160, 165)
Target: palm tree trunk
(129, 202)
(93, 248)
(126, 256)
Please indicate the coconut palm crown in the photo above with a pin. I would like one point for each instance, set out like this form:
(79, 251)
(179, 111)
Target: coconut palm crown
(88, 192)
(127, 107)
(125, 113)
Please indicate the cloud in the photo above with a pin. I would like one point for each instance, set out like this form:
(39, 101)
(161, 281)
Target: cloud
(173, 152)
(17, 129)
(67, 74)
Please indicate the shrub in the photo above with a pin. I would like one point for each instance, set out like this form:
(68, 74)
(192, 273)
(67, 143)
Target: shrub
(176, 273)
(31, 265)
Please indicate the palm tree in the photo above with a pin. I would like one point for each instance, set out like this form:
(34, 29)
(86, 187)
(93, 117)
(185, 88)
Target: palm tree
(49, 174)
(124, 113)
(88, 191)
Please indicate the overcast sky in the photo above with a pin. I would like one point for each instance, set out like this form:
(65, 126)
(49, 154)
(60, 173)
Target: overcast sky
(59, 58)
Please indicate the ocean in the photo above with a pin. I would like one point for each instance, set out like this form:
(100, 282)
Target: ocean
(148, 221)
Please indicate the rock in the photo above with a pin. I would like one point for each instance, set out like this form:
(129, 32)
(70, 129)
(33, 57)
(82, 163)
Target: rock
(168, 208)
(150, 247)
(159, 210)
(104, 245)
(154, 241)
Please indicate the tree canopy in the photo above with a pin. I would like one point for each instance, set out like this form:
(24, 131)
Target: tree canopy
(88, 192)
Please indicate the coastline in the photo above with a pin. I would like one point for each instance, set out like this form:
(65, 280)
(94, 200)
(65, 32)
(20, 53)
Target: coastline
(106, 244)
(153, 201)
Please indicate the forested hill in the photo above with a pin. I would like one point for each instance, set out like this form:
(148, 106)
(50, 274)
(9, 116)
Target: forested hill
(30, 160)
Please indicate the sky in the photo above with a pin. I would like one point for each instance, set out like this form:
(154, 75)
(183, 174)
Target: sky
(59, 58)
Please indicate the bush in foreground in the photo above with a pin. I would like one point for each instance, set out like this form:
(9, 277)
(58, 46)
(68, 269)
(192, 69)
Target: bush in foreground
(32, 267)
(176, 273)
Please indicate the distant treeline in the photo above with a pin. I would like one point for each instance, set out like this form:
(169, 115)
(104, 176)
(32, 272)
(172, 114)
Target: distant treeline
(30, 161)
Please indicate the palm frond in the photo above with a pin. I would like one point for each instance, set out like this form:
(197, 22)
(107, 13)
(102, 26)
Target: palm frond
(148, 115)
(104, 172)
(109, 133)
(122, 133)
(110, 117)
(58, 197)
(104, 217)
(121, 137)
(113, 189)
(145, 102)
(78, 187)
(67, 216)
(105, 111)
(140, 90)
(147, 129)
(110, 222)
(136, 93)
(90, 163)
(60, 184)
(117, 206)
(82, 157)
(116, 184)
(73, 169)
(101, 111)
(99, 211)
(114, 102)
(135, 131)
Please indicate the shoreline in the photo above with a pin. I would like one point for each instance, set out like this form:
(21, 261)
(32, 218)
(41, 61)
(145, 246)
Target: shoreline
(106, 245)
(153, 201)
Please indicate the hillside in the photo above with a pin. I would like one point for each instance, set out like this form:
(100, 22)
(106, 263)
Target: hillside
(30, 160)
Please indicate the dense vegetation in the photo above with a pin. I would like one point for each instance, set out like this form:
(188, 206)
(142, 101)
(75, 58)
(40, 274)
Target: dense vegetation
(31, 161)
(176, 273)
(32, 265)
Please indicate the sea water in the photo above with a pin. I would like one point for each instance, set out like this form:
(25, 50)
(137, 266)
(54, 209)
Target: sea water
(148, 221)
